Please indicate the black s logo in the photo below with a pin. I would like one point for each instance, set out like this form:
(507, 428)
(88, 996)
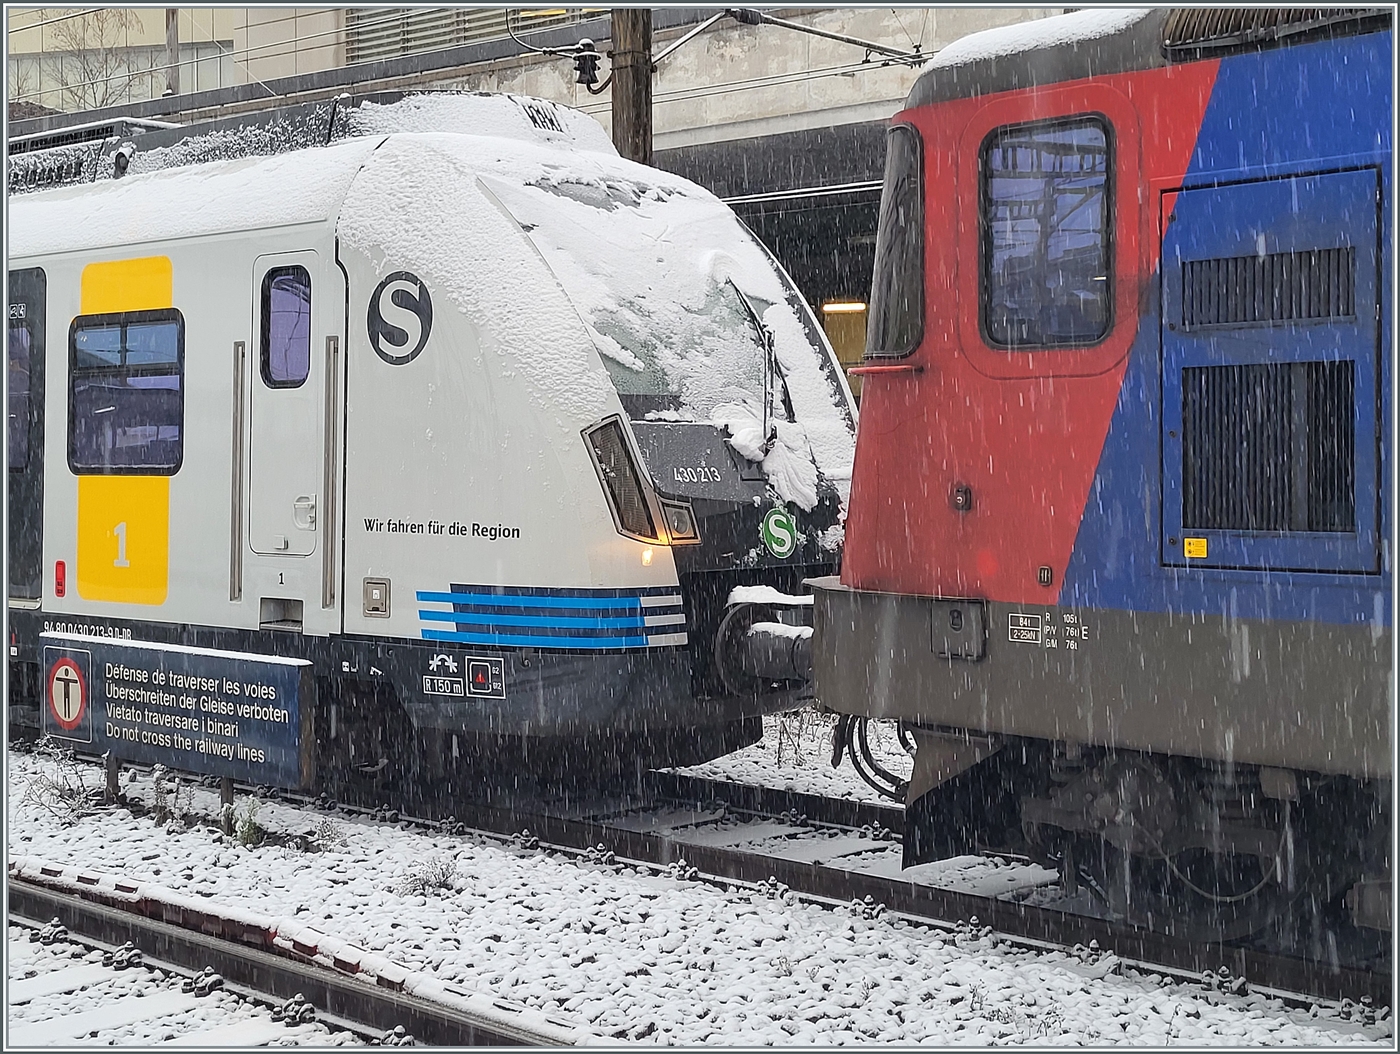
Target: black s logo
(400, 318)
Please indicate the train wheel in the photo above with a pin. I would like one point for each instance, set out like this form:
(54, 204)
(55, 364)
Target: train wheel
(1196, 895)
(1205, 895)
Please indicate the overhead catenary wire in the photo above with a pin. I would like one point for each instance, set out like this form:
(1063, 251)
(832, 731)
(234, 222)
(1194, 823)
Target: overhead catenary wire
(680, 95)
(776, 80)
(60, 18)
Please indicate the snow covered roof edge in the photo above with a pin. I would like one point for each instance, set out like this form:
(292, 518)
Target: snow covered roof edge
(1091, 42)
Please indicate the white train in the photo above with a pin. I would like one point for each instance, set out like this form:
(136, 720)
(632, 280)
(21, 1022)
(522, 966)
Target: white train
(459, 424)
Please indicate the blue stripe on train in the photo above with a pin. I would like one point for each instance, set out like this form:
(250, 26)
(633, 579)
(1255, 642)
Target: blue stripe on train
(556, 621)
(549, 618)
(525, 641)
(514, 601)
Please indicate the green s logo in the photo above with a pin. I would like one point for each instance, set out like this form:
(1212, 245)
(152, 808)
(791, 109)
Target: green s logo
(779, 533)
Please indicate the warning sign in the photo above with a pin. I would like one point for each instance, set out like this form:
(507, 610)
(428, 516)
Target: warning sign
(196, 709)
(66, 712)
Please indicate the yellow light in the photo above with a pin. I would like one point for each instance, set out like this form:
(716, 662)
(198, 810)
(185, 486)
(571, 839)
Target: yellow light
(646, 557)
(844, 307)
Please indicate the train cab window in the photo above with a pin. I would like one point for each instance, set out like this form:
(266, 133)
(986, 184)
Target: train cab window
(1046, 266)
(17, 351)
(286, 327)
(126, 400)
(897, 293)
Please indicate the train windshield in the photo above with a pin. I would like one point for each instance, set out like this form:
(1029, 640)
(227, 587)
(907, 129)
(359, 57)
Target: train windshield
(660, 277)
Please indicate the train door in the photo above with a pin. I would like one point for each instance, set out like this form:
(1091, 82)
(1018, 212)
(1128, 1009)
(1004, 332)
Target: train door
(1269, 374)
(24, 348)
(289, 376)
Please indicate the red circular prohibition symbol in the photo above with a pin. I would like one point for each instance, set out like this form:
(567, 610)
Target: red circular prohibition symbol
(67, 693)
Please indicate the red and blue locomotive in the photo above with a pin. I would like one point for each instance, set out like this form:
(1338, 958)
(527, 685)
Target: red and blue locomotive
(1117, 551)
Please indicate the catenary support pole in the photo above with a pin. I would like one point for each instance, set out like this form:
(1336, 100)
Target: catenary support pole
(631, 87)
(172, 51)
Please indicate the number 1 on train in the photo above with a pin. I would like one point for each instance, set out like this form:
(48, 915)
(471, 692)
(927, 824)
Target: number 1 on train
(120, 531)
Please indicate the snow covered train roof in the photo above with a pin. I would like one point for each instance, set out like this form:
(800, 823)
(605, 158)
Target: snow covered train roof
(1107, 40)
(249, 179)
(218, 197)
(495, 115)
(661, 273)
(1094, 41)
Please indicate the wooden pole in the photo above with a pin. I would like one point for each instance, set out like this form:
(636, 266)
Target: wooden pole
(631, 87)
(226, 803)
(114, 777)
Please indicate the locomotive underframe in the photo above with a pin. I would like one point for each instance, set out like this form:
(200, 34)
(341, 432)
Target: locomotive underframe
(1114, 762)
(1308, 696)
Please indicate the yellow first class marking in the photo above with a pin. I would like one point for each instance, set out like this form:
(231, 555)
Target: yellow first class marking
(124, 521)
(1195, 548)
(124, 538)
(145, 283)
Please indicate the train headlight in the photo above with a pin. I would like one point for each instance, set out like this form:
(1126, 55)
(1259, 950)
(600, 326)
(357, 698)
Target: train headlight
(680, 523)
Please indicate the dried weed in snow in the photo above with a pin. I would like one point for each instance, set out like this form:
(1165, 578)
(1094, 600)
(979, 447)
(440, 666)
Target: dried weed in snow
(60, 788)
(429, 877)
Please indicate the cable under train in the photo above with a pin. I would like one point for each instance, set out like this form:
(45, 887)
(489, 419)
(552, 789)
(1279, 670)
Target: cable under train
(1118, 546)
(354, 439)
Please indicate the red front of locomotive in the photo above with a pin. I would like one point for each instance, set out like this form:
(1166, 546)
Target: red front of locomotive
(978, 446)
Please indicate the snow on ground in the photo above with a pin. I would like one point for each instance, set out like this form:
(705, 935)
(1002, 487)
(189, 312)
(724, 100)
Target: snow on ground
(645, 957)
(795, 755)
(136, 1006)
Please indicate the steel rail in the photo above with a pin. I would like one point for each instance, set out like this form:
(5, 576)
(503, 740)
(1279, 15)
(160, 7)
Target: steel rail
(350, 1003)
(842, 812)
(1319, 979)
(151, 962)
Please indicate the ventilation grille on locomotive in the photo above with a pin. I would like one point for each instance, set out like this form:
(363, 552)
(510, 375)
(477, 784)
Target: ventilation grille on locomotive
(1189, 32)
(1269, 447)
(1280, 287)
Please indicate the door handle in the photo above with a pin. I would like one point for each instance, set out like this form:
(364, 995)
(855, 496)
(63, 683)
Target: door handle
(304, 512)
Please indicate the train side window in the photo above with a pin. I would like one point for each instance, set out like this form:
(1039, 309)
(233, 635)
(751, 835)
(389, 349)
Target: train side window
(126, 398)
(286, 327)
(1046, 267)
(17, 349)
(897, 291)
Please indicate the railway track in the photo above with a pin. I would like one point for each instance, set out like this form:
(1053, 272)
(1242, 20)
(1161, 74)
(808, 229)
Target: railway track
(63, 990)
(250, 963)
(665, 836)
(730, 833)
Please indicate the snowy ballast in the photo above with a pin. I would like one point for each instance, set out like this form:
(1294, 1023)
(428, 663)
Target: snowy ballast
(291, 936)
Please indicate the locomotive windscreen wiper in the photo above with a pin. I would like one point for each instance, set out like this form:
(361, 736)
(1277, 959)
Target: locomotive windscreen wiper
(765, 340)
